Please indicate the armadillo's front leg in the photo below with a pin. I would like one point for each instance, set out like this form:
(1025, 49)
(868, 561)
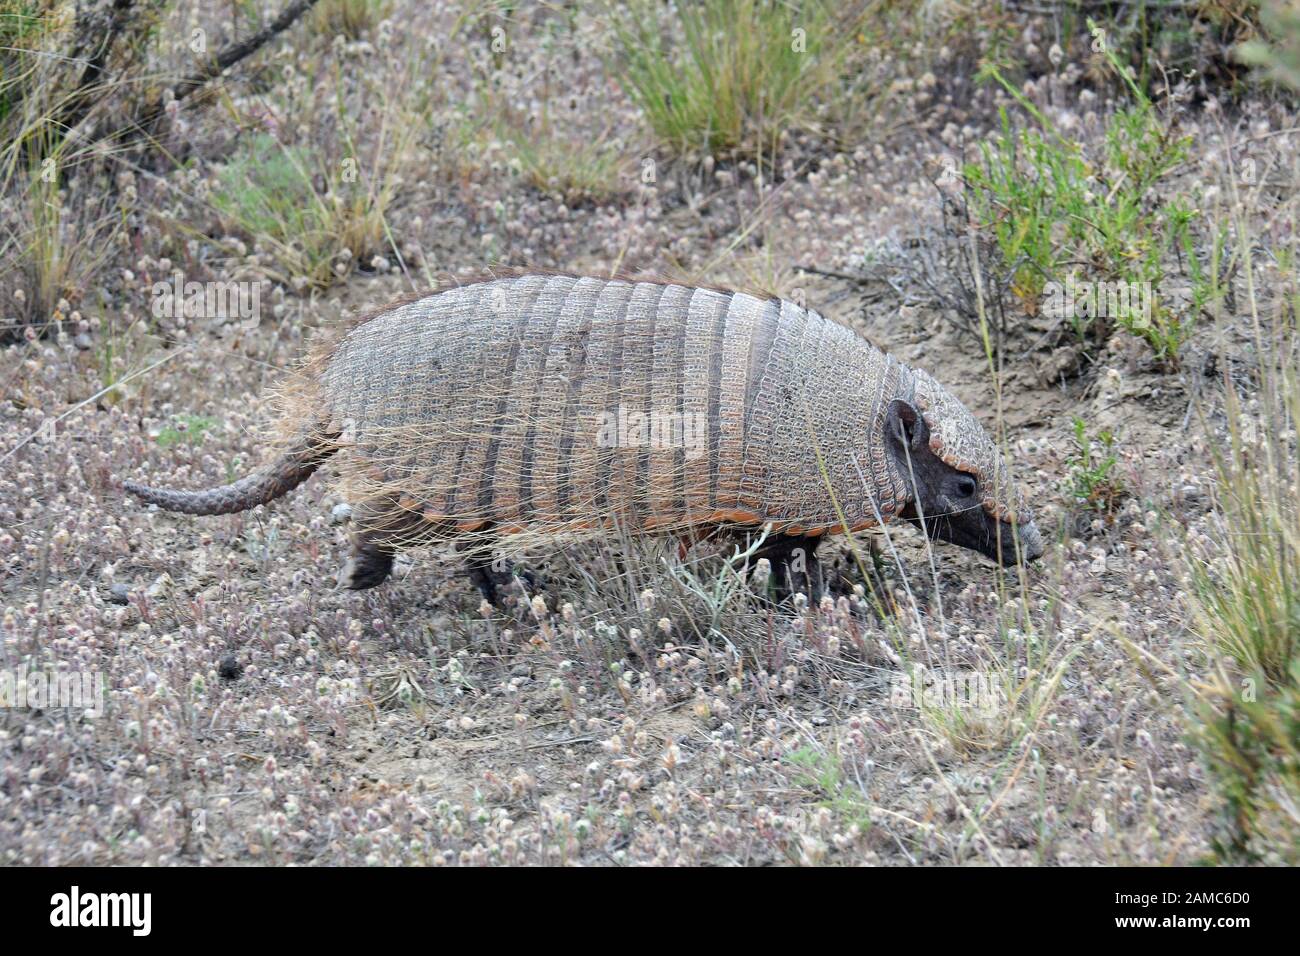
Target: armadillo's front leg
(481, 573)
(795, 568)
(489, 572)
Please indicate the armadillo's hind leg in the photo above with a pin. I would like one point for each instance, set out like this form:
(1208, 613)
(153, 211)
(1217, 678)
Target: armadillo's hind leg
(368, 565)
(378, 530)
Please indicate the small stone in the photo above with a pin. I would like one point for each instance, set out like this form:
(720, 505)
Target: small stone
(341, 512)
(161, 588)
(119, 593)
(230, 668)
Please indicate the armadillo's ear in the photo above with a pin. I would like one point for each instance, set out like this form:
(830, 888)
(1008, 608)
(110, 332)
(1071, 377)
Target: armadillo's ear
(905, 429)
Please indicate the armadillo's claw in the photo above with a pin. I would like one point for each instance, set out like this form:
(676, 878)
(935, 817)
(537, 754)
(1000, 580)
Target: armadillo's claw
(490, 581)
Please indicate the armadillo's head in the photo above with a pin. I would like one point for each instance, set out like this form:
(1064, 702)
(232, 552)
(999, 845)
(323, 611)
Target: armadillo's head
(960, 489)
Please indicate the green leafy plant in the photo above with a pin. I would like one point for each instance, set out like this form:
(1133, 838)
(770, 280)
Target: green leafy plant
(1094, 484)
(1279, 53)
(1055, 210)
(822, 773)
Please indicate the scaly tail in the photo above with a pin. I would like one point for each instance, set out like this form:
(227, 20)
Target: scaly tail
(288, 472)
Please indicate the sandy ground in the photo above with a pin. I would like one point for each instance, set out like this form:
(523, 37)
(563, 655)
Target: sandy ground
(252, 712)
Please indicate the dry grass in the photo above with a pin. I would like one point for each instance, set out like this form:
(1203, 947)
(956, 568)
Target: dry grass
(351, 19)
(1246, 580)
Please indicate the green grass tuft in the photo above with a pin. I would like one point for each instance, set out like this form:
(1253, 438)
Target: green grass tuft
(189, 429)
(1246, 594)
(730, 76)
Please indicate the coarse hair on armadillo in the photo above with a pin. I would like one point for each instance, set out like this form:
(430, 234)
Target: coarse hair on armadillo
(523, 403)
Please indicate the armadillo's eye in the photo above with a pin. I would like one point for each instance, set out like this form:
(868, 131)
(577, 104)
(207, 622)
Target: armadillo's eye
(965, 486)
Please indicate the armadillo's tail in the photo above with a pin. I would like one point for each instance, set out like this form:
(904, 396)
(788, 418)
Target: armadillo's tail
(279, 478)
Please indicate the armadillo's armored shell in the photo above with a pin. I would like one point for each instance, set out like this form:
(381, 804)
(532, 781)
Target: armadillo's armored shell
(558, 402)
(961, 441)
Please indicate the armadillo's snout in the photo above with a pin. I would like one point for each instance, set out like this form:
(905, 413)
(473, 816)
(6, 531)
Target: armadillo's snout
(1019, 544)
(1015, 544)
(1031, 542)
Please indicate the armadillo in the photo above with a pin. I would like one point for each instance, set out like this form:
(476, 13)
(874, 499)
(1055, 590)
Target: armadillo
(555, 404)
